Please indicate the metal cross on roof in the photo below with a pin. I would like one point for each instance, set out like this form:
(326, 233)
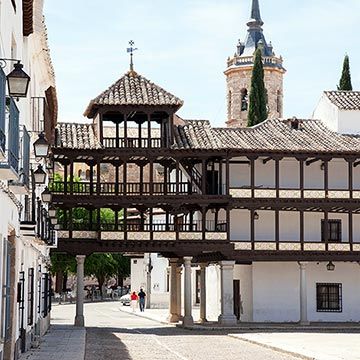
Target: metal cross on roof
(131, 50)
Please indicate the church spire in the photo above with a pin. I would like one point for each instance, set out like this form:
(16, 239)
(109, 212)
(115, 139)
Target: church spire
(255, 17)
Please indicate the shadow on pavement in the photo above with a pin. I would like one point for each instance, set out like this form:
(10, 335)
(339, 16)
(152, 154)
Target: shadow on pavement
(102, 344)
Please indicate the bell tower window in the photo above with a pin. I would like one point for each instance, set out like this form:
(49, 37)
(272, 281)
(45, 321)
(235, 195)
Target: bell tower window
(244, 100)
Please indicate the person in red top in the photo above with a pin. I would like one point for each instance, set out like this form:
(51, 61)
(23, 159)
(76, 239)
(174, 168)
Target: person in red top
(134, 299)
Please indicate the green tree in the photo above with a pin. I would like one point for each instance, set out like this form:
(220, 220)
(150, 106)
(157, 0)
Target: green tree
(102, 266)
(345, 81)
(257, 100)
(61, 266)
(122, 267)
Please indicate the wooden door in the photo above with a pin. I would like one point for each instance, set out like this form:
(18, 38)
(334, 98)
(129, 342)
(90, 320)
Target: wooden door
(236, 289)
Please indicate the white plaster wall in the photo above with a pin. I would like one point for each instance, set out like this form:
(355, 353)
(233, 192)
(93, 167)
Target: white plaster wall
(313, 176)
(275, 292)
(265, 226)
(327, 113)
(213, 292)
(265, 174)
(137, 274)
(289, 226)
(349, 121)
(239, 174)
(356, 228)
(244, 274)
(240, 225)
(338, 174)
(348, 274)
(289, 170)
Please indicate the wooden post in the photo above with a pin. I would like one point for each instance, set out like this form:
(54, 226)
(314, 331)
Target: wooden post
(117, 141)
(151, 176)
(221, 192)
(116, 179)
(125, 223)
(151, 228)
(252, 177)
(165, 180)
(326, 230)
(227, 175)
(326, 178)
(277, 228)
(351, 231)
(228, 219)
(350, 178)
(125, 177)
(252, 228)
(302, 229)
(98, 178)
(149, 145)
(203, 181)
(301, 164)
(277, 178)
(203, 217)
(71, 177)
(65, 177)
(141, 178)
(91, 179)
(177, 177)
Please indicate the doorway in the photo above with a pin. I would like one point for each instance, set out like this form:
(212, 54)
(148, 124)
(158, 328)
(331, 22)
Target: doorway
(237, 297)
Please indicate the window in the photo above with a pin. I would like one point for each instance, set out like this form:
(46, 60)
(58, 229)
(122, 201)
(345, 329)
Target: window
(328, 297)
(334, 230)
(244, 100)
(31, 296)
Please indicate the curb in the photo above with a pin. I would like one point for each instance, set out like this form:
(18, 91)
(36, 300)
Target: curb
(271, 347)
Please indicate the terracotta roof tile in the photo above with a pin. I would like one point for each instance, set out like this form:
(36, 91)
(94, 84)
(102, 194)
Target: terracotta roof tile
(345, 100)
(133, 89)
(76, 136)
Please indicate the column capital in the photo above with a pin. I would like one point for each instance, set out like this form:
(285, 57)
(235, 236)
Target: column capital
(302, 264)
(227, 263)
(174, 261)
(187, 260)
(80, 258)
(203, 265)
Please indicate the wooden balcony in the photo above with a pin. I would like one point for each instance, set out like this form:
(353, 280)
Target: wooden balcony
(129, 143)
(112, 188)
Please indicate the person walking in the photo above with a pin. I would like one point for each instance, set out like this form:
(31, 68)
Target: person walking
(142, 300)
(134, 299)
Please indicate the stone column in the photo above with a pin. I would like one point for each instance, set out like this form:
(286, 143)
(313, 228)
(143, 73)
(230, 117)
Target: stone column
(173, 316)
(303, 295)
(178, 291)
(79, 318)
(203, 293)
(227, 316)
(188, 319)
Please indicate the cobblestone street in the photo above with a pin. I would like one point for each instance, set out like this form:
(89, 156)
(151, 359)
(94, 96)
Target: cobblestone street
(113, 334)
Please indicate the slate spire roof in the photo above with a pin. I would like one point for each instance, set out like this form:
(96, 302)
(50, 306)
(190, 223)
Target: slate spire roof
(133, 89)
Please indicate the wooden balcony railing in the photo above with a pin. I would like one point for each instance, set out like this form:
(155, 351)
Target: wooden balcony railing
(111, 188)
(132, 142)
(159, 226)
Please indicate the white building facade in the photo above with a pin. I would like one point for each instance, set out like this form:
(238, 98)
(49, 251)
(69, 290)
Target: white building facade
(26, 234)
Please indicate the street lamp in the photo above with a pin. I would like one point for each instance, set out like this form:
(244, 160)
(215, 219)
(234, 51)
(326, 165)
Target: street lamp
(53, 220)
(41, 146)
(256, 216)
(39, 175)
(52, 211)
(330, 266)
(18, 81)
(46, 195)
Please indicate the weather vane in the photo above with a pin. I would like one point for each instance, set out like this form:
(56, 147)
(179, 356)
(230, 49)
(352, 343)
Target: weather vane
(131, 50)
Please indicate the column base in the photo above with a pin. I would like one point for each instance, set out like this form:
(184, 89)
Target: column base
(79, 321)
(227, 320)
(304, 323)
(188, 321)
(173, 318)
(203, 321)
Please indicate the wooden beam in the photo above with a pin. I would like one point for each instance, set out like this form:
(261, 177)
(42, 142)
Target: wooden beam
(302, 239)
(252, 228)
(252, 177)
(301, 164)
(277, 229)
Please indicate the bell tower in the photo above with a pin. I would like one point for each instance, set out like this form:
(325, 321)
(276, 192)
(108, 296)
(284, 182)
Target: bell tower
(239, 72)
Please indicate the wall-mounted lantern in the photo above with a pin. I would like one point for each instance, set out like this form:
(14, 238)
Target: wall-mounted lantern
(46, 195)
(41, 146)
(330, 266)
(39, 175)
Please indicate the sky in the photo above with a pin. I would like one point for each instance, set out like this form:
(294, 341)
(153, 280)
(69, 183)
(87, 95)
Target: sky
(183, 46)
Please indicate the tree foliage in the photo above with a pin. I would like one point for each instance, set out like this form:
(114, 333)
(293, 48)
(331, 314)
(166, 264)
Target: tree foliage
(257, 100)
(345, 81)
(102, 266)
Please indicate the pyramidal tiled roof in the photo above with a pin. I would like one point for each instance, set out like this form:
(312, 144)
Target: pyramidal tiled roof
(344, 100)
(133, 89)
(76, 136)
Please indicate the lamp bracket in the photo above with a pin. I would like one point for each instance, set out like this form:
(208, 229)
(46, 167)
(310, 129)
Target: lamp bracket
(3, 62)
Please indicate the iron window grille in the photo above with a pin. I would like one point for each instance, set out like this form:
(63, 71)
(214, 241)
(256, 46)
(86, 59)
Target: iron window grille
(2, 109)
(329, 297)
(334, 230)
(30, 296)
